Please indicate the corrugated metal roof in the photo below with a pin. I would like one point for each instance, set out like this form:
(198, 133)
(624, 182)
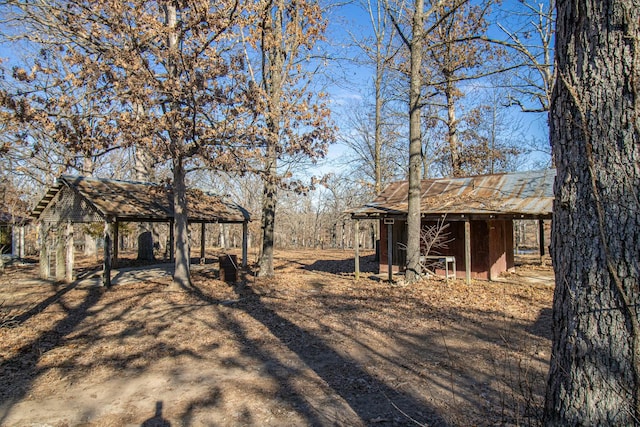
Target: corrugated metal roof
(140, 201)
(524, 194)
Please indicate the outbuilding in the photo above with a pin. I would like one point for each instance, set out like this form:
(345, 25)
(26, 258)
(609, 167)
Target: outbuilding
(480, 213)
(77, 199)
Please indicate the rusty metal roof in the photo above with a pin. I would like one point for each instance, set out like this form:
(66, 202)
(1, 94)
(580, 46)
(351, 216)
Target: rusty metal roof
(519, 194)
(137, 201)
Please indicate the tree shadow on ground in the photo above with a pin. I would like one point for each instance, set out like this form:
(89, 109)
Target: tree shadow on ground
(368, 264)
(347, 389)
(372, 400)
(24, 365)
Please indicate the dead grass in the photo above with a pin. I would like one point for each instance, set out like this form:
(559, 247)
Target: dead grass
(311, 347)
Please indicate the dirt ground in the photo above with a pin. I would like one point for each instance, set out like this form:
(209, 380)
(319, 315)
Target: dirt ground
(312, 347)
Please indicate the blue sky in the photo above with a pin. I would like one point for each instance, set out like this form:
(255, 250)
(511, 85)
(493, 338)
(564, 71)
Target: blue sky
(353, 19)
(350, 84)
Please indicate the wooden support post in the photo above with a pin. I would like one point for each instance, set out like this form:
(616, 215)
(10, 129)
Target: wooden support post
(116, 243)
(356, 245)
(245, 242)
(108, 243)
(467, 251)
(69, 253)
(202, 245)
(541, 237)
(171, 241)
(390, 250)
(60, 253)
(21, 239)
(45, 263)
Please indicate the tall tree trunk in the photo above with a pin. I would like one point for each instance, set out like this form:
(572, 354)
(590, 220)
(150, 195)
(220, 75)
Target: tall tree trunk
(452, 124)
(269, 198)
(90, 246)
(144, 172)
(594, 376)
(377, 156)
(273, 79)
(182, 274)
(415, 148)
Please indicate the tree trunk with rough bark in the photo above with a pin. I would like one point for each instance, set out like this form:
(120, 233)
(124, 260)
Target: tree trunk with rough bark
(413, 271)
(268, 216)
(181, 275)
(144, 173)
(594, 376)
(452, 125)
(273, 62)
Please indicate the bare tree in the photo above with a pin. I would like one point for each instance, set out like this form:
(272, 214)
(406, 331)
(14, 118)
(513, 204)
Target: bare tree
(529, 31)
(175, 58)
(296, 121)
(413, 39)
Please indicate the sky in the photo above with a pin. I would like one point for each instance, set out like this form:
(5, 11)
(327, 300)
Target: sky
(351, 20)
(350, 84)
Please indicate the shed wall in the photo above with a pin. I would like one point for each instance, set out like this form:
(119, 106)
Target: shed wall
(491, 247)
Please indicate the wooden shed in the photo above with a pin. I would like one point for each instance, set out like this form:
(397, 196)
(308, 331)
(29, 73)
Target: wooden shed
(77, 199)
(480, 211)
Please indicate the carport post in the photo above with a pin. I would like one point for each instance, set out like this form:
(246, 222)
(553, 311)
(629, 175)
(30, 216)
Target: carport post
(356, 238)
(541, 236)
(171, 240)
(202, 245)
(116, 242)
(70, 255)
(467, 251)
(390, 248)
(245, 242)
(108, 242)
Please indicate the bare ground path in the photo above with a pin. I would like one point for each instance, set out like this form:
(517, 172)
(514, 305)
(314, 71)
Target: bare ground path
(312, 347)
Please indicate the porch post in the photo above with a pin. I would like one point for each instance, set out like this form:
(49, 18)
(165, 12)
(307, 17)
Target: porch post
(541, 236)
(70, 252)
(21, 238)
(116, 242)
(171, 240)
(356, 244)
(202, 245)
(467, 250)
(108, 242)
(390, 250)
(245, 242)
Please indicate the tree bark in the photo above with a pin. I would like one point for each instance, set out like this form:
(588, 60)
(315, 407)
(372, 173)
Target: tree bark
(413, 271)
(595, 369)
(273, 62)
(181, 275)
(452, 125)
(144, 173)
(268, 218)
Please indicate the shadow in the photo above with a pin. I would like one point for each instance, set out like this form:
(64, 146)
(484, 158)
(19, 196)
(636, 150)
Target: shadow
(24, 365)
(372, 400)
(318, 352)
(368, 264)
(157, 420)
(542, 326)
(21, 318)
